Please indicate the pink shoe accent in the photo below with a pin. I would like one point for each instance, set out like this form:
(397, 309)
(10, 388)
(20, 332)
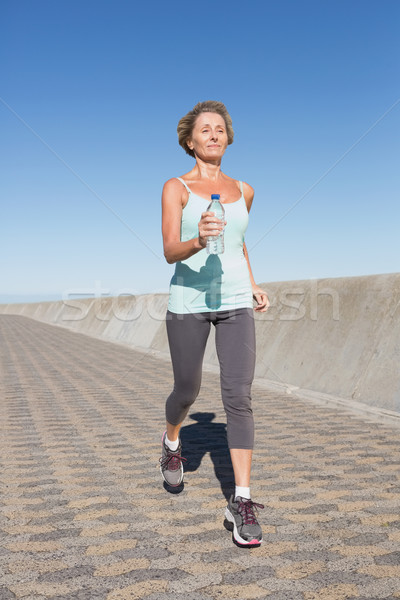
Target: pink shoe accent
(163, 438)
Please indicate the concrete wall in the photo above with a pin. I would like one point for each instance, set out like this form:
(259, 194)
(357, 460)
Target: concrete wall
(333, 336)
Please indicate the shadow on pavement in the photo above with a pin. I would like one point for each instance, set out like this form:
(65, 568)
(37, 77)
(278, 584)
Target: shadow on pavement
(205, 436)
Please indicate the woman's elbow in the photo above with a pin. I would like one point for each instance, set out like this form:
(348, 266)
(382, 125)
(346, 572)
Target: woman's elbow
(169, 258)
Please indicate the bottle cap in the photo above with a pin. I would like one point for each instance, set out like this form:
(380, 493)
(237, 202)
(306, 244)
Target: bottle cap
(214, 196)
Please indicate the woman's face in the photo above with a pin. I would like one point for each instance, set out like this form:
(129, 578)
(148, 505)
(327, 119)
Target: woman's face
(209, 137)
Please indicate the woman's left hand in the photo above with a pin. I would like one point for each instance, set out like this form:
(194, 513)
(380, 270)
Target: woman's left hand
(261, 298)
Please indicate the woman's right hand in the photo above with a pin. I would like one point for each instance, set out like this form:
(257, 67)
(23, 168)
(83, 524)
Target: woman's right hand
(209, 225)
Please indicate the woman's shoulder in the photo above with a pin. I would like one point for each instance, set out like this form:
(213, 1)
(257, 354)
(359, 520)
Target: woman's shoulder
(246, 186)
(172, 184)
(248, 194)
(247, 189)
(178, 182)
(174, 192)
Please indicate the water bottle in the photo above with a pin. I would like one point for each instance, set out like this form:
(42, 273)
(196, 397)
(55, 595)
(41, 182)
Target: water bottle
(215, 244)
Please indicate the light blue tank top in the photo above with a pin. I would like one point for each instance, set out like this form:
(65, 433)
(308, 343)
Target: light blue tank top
(209, 282)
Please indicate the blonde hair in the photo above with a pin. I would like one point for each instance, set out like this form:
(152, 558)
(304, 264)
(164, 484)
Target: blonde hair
(186, 124)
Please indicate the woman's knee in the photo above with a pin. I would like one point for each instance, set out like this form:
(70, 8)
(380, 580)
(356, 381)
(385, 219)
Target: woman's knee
(185, 393)
(177, 406)
(238, 403)
(188, 388)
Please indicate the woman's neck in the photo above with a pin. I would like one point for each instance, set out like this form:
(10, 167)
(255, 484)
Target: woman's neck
(206, 170)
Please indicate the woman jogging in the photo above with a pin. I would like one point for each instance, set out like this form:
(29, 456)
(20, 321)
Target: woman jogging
(210, 289)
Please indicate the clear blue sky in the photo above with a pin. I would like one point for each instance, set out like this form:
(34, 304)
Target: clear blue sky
(91, 93)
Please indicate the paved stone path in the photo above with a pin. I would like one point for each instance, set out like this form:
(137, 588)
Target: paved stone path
(85, 516)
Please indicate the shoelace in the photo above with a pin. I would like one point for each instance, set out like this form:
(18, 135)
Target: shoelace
(172, 461)
(246, 510)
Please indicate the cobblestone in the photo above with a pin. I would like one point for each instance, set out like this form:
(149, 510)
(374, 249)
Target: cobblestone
(84, 514)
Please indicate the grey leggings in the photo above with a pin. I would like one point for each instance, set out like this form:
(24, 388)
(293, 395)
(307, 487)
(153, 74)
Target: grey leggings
(235, 344)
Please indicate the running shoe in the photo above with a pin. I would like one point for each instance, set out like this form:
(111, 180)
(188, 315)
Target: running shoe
(246, 530)
(171, 464)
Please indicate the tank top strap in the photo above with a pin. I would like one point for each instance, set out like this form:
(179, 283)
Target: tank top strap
(186, 186)
(190, 191)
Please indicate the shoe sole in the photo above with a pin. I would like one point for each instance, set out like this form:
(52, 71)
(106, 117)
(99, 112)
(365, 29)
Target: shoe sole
(239, 540)
(161, 471)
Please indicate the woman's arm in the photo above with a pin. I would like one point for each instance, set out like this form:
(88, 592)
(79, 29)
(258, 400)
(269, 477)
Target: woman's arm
(173, 198)
(259, 295)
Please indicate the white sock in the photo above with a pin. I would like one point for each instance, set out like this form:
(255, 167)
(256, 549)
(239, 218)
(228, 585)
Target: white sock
(172, 445)
(244, 492)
